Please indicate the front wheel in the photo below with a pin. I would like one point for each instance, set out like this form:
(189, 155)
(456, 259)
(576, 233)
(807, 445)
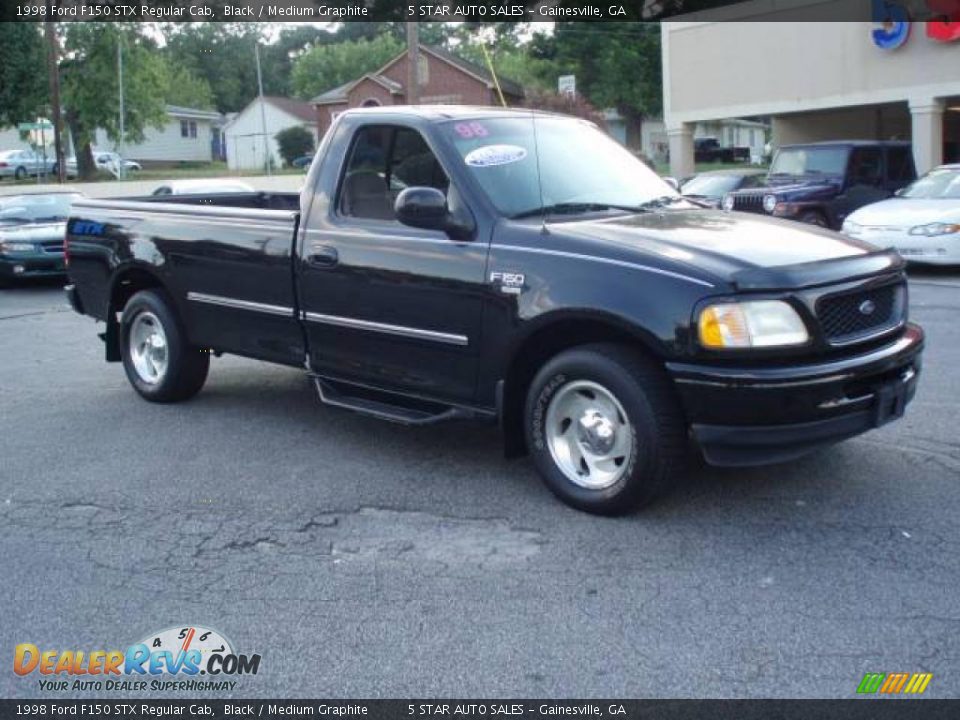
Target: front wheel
(605, 428)
(159, 362)
(813, 217)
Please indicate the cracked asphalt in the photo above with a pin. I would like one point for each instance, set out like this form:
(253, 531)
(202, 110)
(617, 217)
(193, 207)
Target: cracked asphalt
(363, 559)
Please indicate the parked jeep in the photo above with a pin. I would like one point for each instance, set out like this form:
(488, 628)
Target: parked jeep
(822, 183)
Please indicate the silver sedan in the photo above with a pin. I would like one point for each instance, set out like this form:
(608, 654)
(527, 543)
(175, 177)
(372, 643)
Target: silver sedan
(19, 164)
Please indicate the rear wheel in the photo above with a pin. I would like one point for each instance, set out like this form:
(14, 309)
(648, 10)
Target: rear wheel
(20, 173)
(604, 428)
(159, 363)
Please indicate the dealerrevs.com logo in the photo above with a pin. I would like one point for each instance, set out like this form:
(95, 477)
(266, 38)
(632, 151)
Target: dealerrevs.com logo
(183, 652)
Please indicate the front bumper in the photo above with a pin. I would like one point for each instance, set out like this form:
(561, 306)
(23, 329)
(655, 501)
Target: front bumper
(754, 416)
(31, 266)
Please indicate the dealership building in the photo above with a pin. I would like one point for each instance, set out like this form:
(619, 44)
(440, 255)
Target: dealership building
(815, 81)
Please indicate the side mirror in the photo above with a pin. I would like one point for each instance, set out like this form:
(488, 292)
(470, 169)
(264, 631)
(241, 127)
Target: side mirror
(672, 182)
(898, 193)
(426, 208)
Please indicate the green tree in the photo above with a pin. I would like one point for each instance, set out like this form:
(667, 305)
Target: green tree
(223, 54)
(326, 66)
(514, 63)
(617, 65)
(91, 90)
(294, 142)
(23, 72)
(186, 89)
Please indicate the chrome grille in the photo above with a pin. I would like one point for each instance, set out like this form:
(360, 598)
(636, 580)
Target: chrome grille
(849, 317)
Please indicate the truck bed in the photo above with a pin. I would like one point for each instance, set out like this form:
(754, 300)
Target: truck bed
(206, 250)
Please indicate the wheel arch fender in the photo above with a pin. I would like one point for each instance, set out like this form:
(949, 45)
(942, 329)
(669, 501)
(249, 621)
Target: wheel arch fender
(546, 337)
(126, 281)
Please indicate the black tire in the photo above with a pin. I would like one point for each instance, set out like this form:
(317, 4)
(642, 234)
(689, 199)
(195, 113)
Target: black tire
(20, 173)
(656, 426)
(186, 366)
(813, 217)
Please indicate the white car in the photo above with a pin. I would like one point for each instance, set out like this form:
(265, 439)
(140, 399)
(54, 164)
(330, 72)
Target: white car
(922, 222)
(212, 186)
(108, 161)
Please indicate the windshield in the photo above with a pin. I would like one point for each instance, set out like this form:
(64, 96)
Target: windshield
(710, 185)
(936, 185)
(35, 208)
(579, 165)
(810, 161)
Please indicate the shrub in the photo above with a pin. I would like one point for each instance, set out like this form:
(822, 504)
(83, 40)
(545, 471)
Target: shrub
(294, 142)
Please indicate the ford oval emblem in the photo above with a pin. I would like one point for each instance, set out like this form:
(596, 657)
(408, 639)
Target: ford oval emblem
(867, 307)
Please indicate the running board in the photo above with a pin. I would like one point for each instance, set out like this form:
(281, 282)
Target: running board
(427, 413)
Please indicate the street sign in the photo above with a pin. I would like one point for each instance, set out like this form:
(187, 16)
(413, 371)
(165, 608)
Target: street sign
(27, 127)
(567, 84)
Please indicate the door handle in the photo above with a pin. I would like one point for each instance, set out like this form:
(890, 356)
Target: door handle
(323, 256)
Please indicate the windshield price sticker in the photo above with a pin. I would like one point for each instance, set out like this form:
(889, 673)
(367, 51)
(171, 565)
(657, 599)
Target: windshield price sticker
(494, 155)
(468, 130)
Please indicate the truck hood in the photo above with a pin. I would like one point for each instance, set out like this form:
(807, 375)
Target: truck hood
(907, 212)
(748, 251)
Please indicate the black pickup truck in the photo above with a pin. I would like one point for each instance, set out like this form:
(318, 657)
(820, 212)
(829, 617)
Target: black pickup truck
(822, 183)
(519, 267)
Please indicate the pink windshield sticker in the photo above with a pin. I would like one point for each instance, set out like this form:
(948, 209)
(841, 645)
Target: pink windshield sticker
(468, 130)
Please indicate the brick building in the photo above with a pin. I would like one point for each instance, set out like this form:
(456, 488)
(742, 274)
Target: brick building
(444, 79)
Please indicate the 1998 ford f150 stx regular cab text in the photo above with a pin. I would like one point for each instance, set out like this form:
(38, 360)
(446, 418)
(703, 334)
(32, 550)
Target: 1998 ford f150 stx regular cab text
(447, 263)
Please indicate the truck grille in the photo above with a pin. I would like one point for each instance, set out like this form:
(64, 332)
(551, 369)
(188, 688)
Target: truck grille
(850, 317)
(53, 247)
(748, 201)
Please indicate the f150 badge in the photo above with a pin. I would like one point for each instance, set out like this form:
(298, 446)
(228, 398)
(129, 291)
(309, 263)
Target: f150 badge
(510, 283)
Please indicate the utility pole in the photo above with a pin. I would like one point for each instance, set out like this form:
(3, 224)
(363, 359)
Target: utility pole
(120, 170)
(263, 111)
(413, 61)
(53, 73)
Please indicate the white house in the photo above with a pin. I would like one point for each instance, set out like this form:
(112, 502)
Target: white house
(189, 135)
(244, 134)
(10, 140)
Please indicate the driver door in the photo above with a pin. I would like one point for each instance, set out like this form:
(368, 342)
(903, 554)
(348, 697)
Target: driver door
(385, 304)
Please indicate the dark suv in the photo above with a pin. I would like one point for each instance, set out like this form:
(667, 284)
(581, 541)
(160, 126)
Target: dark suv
(822, 183)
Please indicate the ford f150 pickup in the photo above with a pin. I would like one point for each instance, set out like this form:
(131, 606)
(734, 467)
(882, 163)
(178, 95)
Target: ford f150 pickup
(522, 267)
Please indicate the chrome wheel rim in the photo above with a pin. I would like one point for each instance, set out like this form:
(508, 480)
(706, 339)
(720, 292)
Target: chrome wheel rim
(148, 348)
(589, 434)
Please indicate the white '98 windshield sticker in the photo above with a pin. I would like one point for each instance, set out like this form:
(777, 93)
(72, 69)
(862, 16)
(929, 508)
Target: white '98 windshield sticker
(493, 155)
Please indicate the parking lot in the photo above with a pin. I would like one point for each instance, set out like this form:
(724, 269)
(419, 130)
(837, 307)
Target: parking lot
(363, 559)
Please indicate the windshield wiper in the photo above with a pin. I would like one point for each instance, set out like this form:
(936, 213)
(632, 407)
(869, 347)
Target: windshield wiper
(659, 202)
(571, 208)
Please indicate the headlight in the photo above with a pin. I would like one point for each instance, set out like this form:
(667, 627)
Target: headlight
(728, 203)
(769, 203)
(757, 323)
(850, 228)
(9, 246)
(934, 229)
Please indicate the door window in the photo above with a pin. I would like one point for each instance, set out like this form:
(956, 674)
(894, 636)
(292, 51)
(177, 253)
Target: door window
(385, 160)
(866, 167)
(899, 166)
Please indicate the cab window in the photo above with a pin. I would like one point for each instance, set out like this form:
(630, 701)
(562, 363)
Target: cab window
(384, 160)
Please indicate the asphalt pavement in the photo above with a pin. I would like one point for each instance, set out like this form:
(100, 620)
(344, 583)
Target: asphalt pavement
(363, 559)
